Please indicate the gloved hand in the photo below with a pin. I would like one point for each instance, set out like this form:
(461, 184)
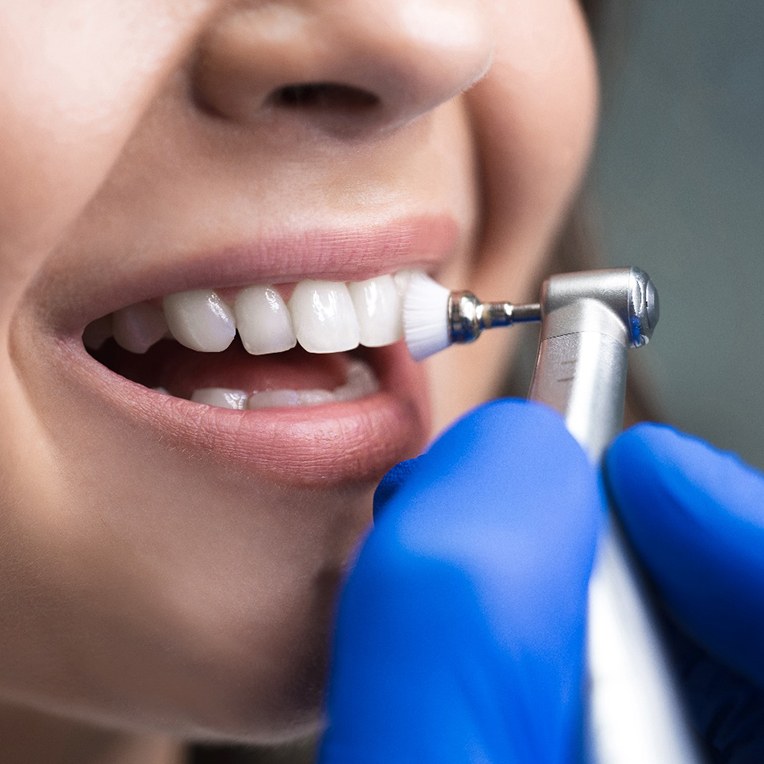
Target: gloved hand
(460, 634)
(696, 519)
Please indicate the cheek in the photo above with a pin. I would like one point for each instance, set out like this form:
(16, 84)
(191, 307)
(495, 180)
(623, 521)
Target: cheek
(76, 77)
(534, 116)
(533, 120)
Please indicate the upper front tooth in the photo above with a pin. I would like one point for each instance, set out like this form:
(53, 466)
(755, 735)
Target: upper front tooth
(263, 321)
(138, 327)
(200, 320)
(323, 316)
(378, 308)
(402, 279)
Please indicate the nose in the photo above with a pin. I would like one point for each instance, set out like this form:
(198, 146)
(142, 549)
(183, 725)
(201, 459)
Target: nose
(343, 65)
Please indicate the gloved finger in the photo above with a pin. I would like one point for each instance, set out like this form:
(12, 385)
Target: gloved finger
(396, 478)
(461, 628)
(726, 709)
(696, 518)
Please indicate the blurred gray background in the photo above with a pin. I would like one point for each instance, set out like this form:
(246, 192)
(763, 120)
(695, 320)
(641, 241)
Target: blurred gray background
(678, 186)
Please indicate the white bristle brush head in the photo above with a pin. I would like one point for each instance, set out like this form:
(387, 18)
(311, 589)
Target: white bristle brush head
(425, 316)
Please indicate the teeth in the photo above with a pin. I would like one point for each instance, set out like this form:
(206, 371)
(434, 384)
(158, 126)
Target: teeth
(314, 397)
(289, 398)
(263, 321)
(402, 279)
(274, 399)
(378, 310)
(200, 320)
(361, 382)
(221, 397)
(138, 327)
(324, 317)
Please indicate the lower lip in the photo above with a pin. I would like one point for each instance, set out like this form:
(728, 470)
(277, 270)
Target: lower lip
(319, 445)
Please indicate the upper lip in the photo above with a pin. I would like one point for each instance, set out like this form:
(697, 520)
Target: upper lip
(425, 242)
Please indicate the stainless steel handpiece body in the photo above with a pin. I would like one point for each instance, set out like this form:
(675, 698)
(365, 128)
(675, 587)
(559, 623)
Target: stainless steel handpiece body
(589, 321)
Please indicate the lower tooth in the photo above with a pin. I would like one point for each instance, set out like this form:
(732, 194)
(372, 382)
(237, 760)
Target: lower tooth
(315, 397)
(221, 397)
(289, 398)
(361, 382)
(273, 399)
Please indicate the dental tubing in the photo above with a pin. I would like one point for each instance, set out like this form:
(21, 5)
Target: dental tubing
(588, 322)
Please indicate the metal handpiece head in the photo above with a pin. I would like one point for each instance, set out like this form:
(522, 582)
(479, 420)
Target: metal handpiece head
(627, 293)
(643, 307)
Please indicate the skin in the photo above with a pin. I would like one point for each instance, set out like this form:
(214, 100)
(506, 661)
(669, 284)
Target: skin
(149, 595)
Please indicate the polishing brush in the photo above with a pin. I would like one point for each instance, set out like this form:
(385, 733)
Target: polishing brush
(435, 317)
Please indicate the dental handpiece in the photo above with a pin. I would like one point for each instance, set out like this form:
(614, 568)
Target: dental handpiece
(589, 321)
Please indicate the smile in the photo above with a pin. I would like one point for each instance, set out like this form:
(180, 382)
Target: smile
(324, 317)
(278, 357)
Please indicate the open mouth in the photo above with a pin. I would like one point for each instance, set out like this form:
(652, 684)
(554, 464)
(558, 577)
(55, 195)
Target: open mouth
(256, 347)
(278, 356)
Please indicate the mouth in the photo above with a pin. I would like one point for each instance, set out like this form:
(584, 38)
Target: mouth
(257, 347)
(301, 378)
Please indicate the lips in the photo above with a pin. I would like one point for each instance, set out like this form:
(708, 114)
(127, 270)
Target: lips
(349, 436)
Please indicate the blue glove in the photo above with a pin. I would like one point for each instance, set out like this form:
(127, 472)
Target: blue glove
(696, 519)
(460, 634)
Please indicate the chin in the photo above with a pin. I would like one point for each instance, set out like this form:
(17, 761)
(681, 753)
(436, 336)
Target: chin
(215, 516)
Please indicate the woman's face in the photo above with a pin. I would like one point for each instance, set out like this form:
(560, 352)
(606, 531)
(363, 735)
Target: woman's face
(170, 564)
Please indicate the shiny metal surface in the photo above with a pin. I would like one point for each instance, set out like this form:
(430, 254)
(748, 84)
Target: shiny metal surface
(590, 319)
(628, 292)
(569, 378)
(468, 317)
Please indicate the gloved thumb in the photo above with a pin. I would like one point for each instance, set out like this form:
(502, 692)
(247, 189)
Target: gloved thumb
(461, 627)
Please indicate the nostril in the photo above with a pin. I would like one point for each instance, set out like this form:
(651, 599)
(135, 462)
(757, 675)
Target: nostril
(363, 70)
(324, 96)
